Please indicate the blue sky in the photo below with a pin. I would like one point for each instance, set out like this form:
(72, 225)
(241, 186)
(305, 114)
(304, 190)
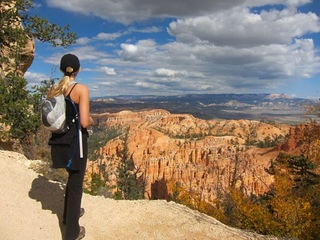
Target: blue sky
(146, 47)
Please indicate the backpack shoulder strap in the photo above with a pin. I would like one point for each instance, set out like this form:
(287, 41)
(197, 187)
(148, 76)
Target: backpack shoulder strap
(74, 108)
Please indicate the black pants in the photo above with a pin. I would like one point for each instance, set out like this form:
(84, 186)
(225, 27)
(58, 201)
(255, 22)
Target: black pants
(73, 195)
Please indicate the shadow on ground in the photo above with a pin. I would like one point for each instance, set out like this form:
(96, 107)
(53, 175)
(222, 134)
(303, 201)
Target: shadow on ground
(51, 196)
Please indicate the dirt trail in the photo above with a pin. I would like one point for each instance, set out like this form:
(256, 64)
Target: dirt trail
(31, 209)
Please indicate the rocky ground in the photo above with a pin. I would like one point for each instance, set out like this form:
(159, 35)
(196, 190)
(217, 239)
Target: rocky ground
(31, 208)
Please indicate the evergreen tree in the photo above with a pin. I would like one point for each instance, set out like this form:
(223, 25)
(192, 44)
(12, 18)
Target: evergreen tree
(16, 107)
(129, 186)
(293, 200)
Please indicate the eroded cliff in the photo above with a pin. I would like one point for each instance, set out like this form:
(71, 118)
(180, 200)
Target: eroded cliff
(206, 157)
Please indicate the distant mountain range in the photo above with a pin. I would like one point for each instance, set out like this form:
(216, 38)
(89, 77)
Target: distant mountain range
(266, 107)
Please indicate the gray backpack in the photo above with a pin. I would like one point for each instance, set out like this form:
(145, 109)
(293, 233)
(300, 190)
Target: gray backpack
(53, 118)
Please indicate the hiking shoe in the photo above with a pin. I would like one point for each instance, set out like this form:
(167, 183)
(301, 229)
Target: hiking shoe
(82, 233)
(81, 212)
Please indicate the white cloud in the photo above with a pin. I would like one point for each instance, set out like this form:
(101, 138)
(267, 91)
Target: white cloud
(214, 46)
(128, 11)
(83, 40)
(163, 72)
(35, 78)
(130, 52)
(108, 36)
(241, 28)
(149, 85)
(152, 29)
(83, 52)
(108, 71)
(137, 52)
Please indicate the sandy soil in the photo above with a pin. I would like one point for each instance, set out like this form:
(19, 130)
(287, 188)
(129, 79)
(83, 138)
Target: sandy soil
(31, 208)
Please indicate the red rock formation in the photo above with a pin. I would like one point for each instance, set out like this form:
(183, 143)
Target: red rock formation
(205, 156)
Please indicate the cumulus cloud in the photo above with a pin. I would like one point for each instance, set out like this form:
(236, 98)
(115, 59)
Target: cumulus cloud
(130, 52)
(227, 46)
(137, 52)
(242, 28)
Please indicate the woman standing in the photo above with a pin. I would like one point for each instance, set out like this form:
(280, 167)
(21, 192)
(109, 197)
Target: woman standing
(66, 146)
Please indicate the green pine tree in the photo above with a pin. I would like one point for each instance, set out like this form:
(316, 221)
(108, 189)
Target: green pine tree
(129, 187)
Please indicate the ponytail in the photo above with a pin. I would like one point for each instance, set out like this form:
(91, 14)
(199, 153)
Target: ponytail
(60, 88)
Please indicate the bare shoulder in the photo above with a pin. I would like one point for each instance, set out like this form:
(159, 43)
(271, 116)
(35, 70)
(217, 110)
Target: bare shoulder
(81, 88)
(80, 91)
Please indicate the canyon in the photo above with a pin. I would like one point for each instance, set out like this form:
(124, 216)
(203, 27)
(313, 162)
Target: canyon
(205, 156)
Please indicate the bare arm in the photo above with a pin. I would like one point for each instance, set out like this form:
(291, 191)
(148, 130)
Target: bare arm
(84, 108)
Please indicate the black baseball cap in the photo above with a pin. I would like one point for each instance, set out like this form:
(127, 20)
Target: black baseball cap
(69, 64)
